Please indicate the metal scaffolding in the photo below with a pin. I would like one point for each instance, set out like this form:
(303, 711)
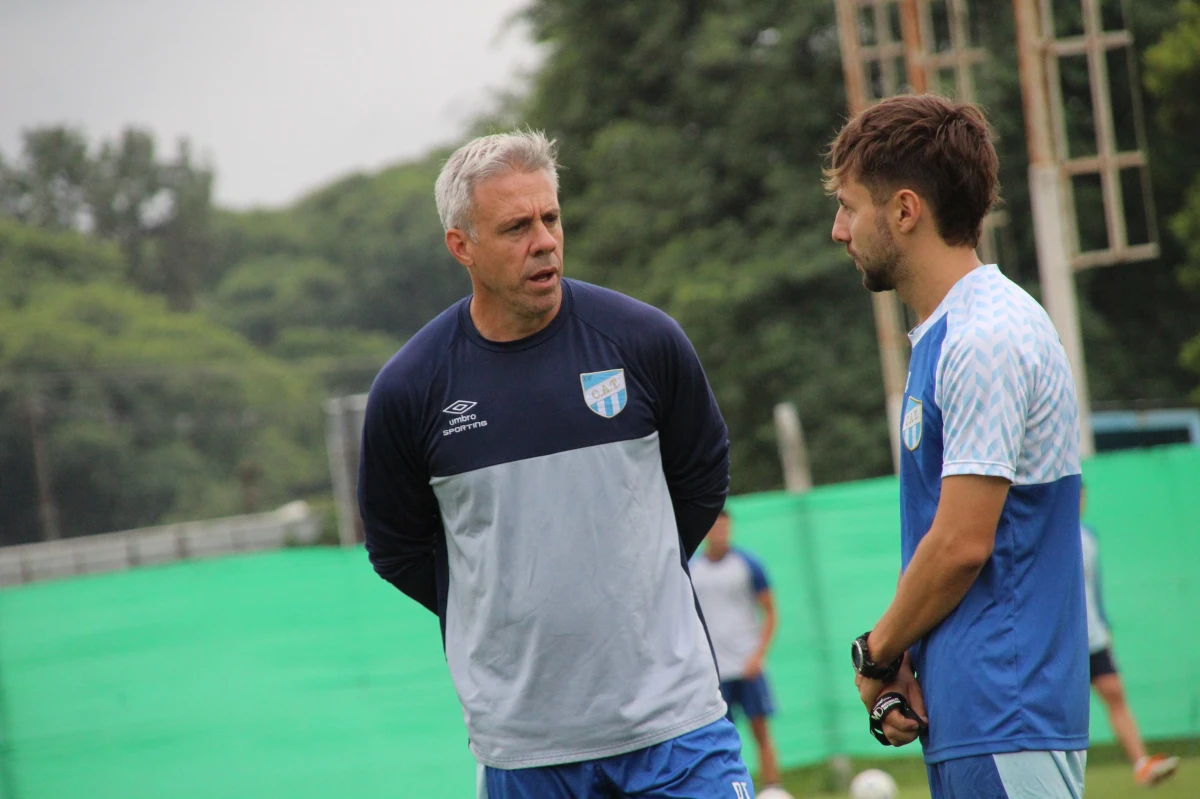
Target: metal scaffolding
(1052, 168)
(1108, 161)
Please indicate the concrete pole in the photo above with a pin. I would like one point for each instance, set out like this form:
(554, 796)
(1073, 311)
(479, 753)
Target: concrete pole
(1048, 203)
(339, 448)
(793, 454)
(35, 415)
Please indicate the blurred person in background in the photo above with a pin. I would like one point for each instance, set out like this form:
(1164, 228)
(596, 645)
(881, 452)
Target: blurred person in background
(538, 464)
(739, 610)
(991, 562)
(1147, 769)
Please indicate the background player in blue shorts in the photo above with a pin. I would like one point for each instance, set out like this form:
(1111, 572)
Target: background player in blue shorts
(739, 610)
(1147, 769)
(538, 464)
(987, 631)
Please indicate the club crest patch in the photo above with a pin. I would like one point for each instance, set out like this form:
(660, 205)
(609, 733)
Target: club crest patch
(604, 392)
(910, 430)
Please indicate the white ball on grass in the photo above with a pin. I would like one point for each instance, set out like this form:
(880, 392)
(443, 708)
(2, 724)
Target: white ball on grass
(873, 784)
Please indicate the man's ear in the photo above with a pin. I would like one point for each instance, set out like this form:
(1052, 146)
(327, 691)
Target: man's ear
(907, 210)
(461, 247)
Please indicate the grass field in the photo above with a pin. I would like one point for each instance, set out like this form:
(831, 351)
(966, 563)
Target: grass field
(1107, 778)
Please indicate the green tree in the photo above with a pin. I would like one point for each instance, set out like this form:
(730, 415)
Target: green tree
(159, 212)
(382, 231)
(374, 239)
(261, 297)
(150, 415)
(32, 257)
(692, 135)
(47, 186)
(1172, 75)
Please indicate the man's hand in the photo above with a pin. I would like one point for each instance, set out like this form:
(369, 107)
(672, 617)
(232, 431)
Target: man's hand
(868, 690)
(899, 729)
(753, 667)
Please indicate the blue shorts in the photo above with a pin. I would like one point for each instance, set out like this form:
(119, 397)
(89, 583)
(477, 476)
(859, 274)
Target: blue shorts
(754, 697)
(1013, 775)
(702, 764)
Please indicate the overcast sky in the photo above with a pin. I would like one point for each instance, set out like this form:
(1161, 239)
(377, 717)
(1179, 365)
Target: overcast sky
(279, 96)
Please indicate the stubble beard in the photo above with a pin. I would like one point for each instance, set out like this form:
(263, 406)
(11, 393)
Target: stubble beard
(882, 267)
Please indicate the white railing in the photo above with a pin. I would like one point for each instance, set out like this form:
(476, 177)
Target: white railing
(292, 524)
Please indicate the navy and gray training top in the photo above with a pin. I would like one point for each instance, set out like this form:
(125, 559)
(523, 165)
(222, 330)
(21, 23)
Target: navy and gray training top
(542, 496)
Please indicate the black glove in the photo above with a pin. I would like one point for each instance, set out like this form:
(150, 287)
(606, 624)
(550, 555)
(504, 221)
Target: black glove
(885, 704)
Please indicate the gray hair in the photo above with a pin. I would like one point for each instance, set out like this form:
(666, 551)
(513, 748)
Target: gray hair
(483, 158)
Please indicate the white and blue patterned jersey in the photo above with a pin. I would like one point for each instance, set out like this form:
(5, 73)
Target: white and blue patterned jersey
(990, 392)
(1099, 636)
(728, 591)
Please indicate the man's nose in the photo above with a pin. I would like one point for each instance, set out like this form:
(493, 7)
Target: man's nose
(841, 230)
(544, 241)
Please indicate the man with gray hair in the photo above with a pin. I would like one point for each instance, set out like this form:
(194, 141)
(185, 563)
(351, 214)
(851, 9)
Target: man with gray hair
(538, 464)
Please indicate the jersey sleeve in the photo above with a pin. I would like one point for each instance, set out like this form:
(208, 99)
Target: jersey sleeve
(983, 390)
(692, 435)
(1098, 581)
(400, 515)
(758, 575)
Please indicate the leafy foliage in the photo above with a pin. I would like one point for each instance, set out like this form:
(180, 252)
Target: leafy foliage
(179, 353)
(153, 413)
(692, 135)
(1172, 75)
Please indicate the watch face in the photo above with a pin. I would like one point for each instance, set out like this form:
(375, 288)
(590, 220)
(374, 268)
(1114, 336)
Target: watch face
(856, 655)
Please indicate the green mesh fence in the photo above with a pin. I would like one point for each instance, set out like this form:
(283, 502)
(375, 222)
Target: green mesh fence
(834, 559)
(300, 674)
(296, 674)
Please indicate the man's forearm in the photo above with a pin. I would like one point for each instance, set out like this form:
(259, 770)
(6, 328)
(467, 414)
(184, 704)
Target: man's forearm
(768, 633)
(694, 518)
(420, 585)
(937, 579)
(413, 570)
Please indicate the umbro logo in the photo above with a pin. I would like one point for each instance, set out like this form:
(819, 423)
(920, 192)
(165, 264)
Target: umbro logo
(462, 420)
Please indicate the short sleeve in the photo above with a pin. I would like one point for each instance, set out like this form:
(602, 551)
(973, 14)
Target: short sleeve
(758, 575)
(983, 390)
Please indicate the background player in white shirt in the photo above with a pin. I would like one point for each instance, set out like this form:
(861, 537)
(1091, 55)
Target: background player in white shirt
(1147, 769)
(989, 614)
(739, 611)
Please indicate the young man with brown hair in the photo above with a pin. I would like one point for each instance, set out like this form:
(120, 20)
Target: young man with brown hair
(986, 637)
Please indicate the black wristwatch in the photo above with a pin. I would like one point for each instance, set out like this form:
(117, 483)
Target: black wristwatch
(860, 655)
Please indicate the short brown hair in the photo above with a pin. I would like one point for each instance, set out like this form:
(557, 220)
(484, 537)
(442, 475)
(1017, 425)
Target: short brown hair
(939, 148)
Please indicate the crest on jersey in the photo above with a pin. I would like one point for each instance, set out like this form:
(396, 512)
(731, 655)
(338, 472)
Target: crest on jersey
(910, 430)
(604, 392)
